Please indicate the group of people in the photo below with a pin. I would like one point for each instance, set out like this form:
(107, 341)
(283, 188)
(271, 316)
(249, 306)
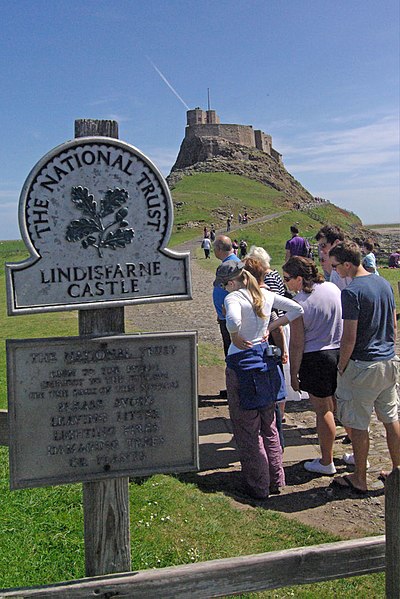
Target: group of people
(243, 219)
(335, 334)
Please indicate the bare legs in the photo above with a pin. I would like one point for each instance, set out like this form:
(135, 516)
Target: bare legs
(360, 441)
(326, 427)
(393, 441)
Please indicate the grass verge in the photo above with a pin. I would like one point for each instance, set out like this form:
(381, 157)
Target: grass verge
(172, 523)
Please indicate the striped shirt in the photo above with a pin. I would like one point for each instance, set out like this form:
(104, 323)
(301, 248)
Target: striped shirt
(274, 282)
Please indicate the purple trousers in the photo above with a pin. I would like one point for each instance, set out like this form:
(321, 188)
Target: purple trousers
(257, 440)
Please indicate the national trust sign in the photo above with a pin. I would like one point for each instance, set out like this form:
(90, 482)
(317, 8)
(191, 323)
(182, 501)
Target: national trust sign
(96, 216)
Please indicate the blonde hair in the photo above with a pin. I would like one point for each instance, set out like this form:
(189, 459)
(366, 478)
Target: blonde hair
(260, 254)
(253, 288)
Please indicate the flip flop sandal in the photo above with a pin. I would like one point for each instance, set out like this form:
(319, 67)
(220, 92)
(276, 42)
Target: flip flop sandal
(348, 485)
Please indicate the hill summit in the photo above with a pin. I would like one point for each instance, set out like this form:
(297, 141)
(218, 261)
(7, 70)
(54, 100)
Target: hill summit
(211, 146)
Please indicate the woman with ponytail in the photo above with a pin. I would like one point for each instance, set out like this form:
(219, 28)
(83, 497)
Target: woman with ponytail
(253, 379)
(314, 350)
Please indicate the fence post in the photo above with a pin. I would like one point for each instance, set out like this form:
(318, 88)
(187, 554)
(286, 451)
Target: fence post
(105, 503)
(392, 523)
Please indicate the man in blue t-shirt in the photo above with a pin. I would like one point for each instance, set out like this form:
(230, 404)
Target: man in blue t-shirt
(223, 250)
(368, 367)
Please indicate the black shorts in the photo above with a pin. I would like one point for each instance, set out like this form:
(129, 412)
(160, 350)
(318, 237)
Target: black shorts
(318, 372)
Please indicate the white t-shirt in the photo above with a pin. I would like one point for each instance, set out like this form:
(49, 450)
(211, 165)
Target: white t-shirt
(241, 318)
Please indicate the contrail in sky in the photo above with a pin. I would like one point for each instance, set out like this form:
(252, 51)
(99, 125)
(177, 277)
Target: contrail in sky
(167, 82)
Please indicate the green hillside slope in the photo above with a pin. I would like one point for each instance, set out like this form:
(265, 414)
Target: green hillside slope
(205, 198)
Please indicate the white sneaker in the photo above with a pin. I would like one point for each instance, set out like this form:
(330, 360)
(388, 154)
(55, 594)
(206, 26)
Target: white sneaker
(316, 466)
(348, 459)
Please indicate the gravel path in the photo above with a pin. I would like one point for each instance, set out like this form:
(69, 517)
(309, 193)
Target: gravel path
(196, 314)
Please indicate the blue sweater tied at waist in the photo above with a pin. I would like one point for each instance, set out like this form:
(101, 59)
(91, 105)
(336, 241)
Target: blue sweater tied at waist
(261, 380)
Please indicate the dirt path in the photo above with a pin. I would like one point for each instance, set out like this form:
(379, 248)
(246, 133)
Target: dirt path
(306, 498)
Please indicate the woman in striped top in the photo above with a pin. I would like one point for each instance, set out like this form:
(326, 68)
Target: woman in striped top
(275, 283)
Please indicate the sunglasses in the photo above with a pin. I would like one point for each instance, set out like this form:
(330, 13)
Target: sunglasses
(334, 266)
(286, 279)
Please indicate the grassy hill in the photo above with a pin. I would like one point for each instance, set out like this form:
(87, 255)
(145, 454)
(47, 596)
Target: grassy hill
(204, 198)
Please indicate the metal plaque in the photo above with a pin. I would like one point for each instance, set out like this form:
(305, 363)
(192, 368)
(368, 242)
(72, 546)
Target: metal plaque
(96, 216)
(89, 408)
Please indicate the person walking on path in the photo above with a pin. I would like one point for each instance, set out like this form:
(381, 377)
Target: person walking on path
(206, 245)
(368, 367)
(251, 391)
(243, 248)
(296, 246)
(223, 251)
(314, 350)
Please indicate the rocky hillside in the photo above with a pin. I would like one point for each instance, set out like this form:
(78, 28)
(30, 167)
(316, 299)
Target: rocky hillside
(208, 154)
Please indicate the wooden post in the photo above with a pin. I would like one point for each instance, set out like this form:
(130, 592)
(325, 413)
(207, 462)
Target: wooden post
(392, 522)
(105, 503)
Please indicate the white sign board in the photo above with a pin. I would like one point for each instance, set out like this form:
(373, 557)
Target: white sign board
(96, 216)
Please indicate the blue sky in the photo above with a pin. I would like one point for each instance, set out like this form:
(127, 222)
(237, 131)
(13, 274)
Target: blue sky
(321, 76)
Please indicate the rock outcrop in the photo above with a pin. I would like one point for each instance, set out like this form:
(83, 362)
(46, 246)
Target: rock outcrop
(202, 154)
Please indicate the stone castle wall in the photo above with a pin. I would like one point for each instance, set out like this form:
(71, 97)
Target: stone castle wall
(202, 123)
(239, 134)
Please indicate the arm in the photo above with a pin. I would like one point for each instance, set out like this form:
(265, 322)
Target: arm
(395, 324)
(347, 343)
(279, 340)
(293, 310)
(287, 255)
(296, 351)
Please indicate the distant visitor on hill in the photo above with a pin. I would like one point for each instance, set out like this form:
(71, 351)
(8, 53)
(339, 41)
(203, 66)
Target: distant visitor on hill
(296, 246)
(243, 248)
(394, 259)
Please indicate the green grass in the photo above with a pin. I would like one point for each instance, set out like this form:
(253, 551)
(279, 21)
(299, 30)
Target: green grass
(206, 198)
(172, 523)
(56, 324)
(329, 213)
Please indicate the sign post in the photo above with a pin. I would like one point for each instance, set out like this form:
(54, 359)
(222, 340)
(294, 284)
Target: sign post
(96, 215)
(106, 502)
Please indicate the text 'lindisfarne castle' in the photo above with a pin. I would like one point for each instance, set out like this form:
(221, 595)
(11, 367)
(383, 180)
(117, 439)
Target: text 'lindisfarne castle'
(206, 123)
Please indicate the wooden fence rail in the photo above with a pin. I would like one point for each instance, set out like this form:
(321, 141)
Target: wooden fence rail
(227, 576)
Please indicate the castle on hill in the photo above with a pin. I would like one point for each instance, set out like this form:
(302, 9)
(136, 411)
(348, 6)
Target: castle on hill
(206, 123)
